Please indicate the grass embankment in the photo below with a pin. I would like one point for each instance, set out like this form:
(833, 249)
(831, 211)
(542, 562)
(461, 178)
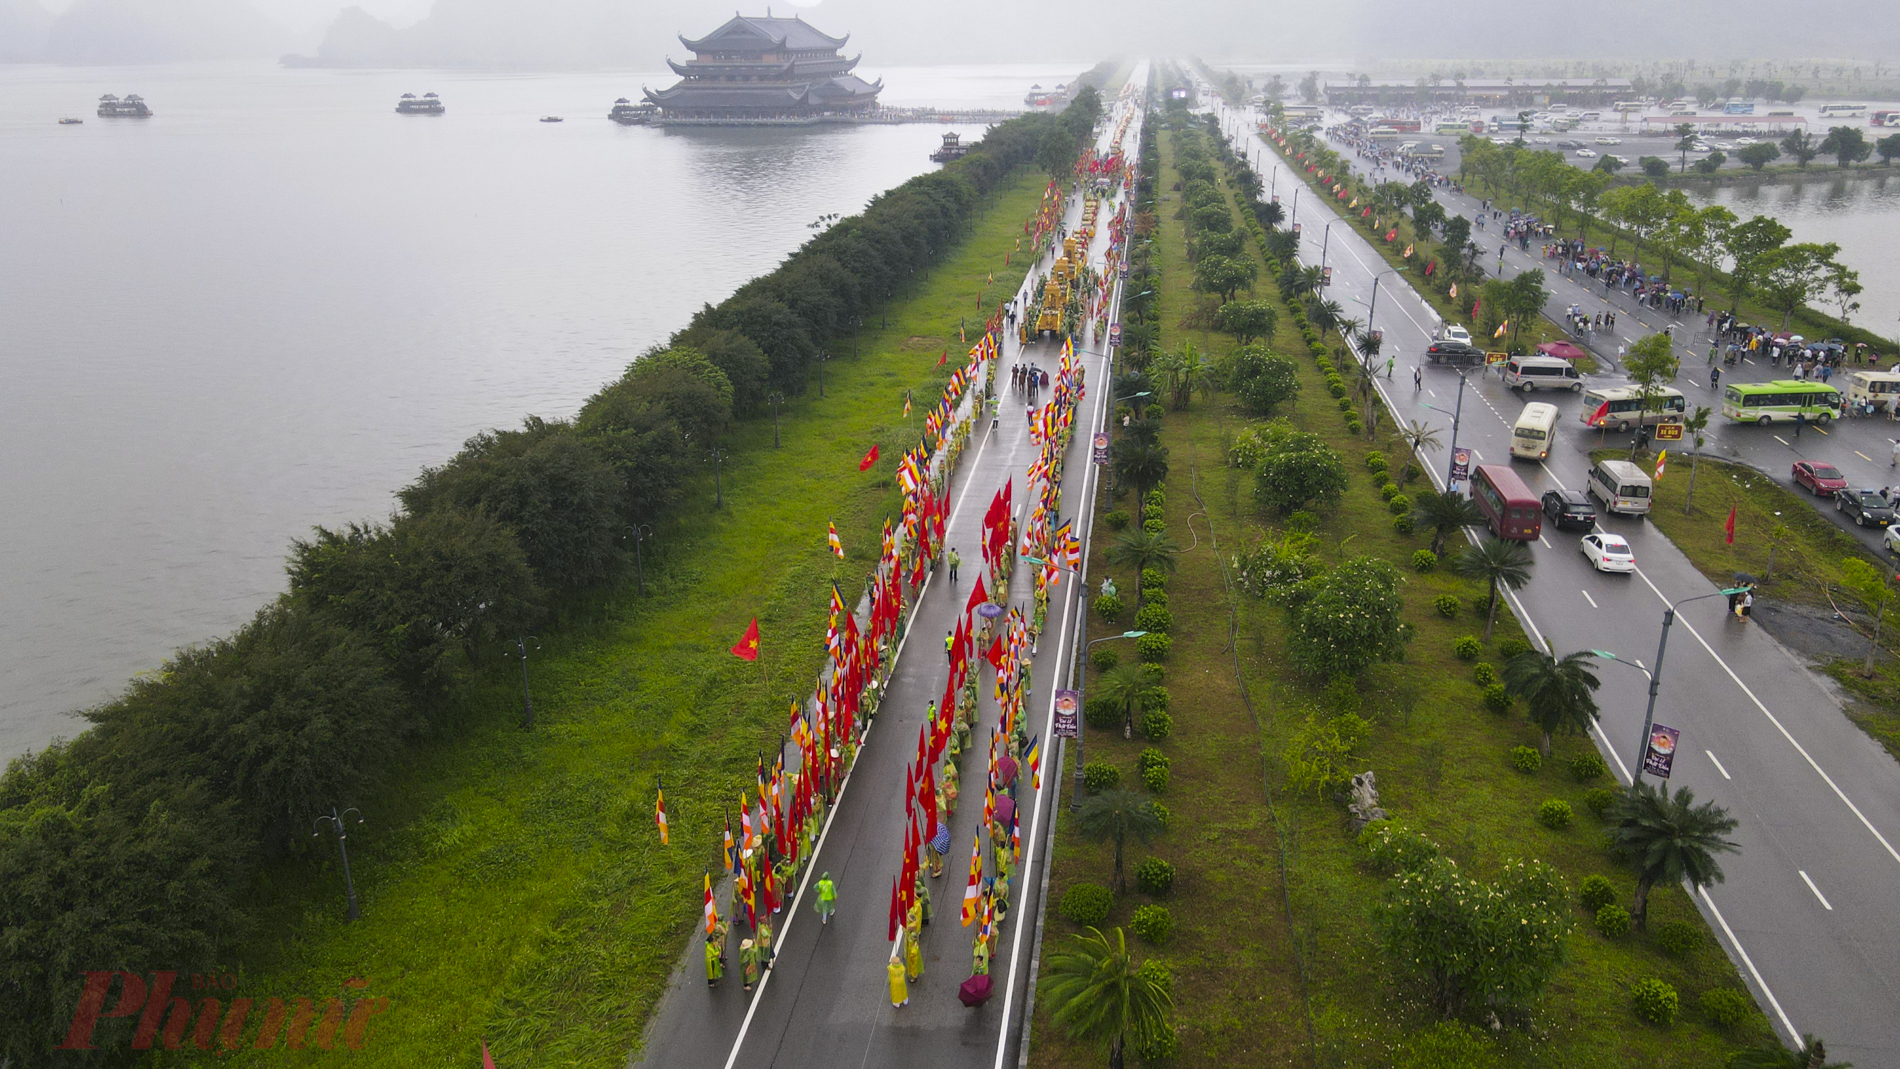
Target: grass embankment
(1808, 551)
(513, 885)
(1443, 768)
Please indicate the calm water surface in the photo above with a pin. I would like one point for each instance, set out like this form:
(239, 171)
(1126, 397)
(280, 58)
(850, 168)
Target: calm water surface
(271, 304)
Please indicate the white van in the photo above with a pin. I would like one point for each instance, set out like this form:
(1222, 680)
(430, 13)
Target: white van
(1534, 431)
(1528, 373)
(1621, 486)
(1878, 388)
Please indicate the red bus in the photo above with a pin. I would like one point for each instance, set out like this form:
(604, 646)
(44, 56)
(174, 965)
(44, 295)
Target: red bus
(1403, 126)
(1885, 118)
(1510, 509)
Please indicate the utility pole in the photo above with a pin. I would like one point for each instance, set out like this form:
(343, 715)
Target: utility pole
(337, 820)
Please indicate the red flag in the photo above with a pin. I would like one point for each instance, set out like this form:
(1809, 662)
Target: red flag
(1392, 235)
(1596, 419)
(869, 459)
(487, 1062)
(897, 915)
(1729, 527)
(995, 654)
(748, 646)
(944, 357)
(978, 596)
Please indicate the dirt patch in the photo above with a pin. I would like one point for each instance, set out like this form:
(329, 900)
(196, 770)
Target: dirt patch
(918, 341)
(1818, 634)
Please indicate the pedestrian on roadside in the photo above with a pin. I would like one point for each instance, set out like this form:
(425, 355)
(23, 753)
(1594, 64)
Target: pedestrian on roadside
(949, 648)
(827, 899)
(894, 972)
(1895, 462)
(1389, 361)
(954, 561)
(1715, 377)
(1800, 420)
(1748, 605)
(751, 962)
(715, 962)
(1418, 382)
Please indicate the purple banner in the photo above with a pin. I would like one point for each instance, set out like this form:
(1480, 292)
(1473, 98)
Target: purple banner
(1661, 753)
(1068, 705)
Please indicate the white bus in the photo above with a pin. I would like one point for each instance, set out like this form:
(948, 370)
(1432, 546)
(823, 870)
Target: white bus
(1621, 407)
(1627, 105)
(1452, 129)
(1843, 111)
(1535, 428)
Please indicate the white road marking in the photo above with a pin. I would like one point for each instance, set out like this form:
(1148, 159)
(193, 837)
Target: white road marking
(1540, 538)
(1782, 440)
(1432, 392)
(1588, 598)
(1746, 360)
(1805, 878)
(1863, 456)
(1718, 764)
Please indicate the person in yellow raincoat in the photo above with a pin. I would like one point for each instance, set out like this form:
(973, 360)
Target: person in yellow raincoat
(913, 946)
(900, 991)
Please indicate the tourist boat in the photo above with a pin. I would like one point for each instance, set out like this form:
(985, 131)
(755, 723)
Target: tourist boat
(129, 106)
(627, 113)
(426, 104)
(71, 122)
(551, 118)
(1043, 98)
(952, 148)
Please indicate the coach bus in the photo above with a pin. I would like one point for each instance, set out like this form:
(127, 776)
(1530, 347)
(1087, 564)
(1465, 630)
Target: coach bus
(1780, 401)
(1621, 407)
(1452, 129)
(1885, 118)
(1843, 111)
(1510, 509)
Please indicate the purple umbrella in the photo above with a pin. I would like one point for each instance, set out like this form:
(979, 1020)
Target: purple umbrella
(1005, 770)
(1005, 808)
(975, 991)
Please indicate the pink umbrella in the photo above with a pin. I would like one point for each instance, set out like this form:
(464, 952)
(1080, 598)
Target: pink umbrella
(975, 991)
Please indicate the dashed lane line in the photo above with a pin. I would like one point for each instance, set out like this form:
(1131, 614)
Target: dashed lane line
(1805, 878)
(1718, 765)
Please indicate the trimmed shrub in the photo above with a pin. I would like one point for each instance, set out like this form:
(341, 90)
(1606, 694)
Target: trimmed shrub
(1108, 606)
(1680, 938)
(1587, 766)
(1153, 923)
(1155, 525)
(1104, 659)
(1446, 604)
(1154, 595)
(1155, 698)
(1613, 920)
(1154, 647)
(1388, 491)
(1154, 876)
(1156, 724)
(1337, 387)
(1375, 461)
(1101, 714)
(1497, 699)
(1086, 904)
(1411, 471)
(1554, 814)
(1513, 645)
(1526, 759)
(1404, 524)
(1655, 1001)
(1424, 560)
(1154, 619)
(1485, 673)
(1467, 647)
(1726, 1007)
(1155, 779)
(1151, 758)
(1152, 577)
(1162, 813)
(1353, 426)
(1157, 499)
(1599, 800)
(1595, 892)
(1116, 519)
(1098, 776)
(1163, 1045)
(1400, 505)
(1392, 848)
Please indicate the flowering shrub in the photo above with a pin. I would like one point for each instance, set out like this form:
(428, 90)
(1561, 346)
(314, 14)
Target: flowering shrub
(1391, 847)
(1347, 619)
(1276, 568)
(1477, 942)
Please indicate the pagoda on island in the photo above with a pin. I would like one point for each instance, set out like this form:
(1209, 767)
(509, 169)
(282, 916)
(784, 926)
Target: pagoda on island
(765, 71)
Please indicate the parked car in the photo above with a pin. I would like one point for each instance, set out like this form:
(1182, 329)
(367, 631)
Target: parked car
(1608, 553)
(1453, 352)
(1822, 480)
(1586, 154)
(1865, 506)
(1891, 539)
(1569, 508)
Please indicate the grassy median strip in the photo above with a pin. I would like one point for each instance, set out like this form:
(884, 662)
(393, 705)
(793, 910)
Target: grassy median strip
(513, 885)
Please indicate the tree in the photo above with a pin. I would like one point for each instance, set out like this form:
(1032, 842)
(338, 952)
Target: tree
(1443, 512)
(1792, 275)
(1124, 686)
(1347, 619)
(1847, 144)
(1666, 839)
(1685, 142)
(1297, 469)
(1325, 315)
(1701, 233)
(1651, 362)
(1457, 231)
(1474, 942)
(1712, 162)
(1800, 144)
(1496, 562)
(1811, 1055)
(1225, 275)
(1654, 166)
(1143, 464)
(1556, 693)
(1696, 427)
(1843, 285)
(1260, 379)
(1139, 550)
(1745, 244)
(1760, 154)
(1056, 152)
(1888, 147)
(1117, 816)
(1247, 320)
(1101, 996)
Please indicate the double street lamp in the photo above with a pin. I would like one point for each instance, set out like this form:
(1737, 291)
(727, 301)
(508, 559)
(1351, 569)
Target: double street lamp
(523, 645)
(337, 824)
(1655, 677)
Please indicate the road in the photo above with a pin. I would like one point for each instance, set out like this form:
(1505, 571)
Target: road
(1803, 912)
(825, 1000)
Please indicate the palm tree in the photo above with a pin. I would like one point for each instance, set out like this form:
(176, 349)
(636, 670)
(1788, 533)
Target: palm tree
(1445, 513)
(1124, 686)
(1099, 994)
(1138, 551)
(1114, 816)
(1325, 315)
(1667, 839)
(1197, 376)
(1812, 1055)
(1417, 436)
(1556, 693)
(1498, 563)
(1141, 463)
(1169, 367)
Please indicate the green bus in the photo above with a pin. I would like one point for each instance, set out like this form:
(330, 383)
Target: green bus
(1780, 401)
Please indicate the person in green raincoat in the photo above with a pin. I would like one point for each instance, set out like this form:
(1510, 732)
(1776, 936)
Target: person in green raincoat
(827, 899)
(900, 991)
(715, 962)
(783, 875)
(951, 779)
(999, 898)
(923, 898)
(751, 964)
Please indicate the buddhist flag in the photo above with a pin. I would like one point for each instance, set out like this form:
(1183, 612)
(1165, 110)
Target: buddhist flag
(745, 830)
(972, 891)
(1355, 204)
(659, 814)
(1662, 459)
(1729, 527)
(1502, 327)
(1408, 252)
(712, 912)
(1454, 291)
(1035, 763)
(747, 648)
(869, 459)
(906, 404)
(831, 535)
(732, 853)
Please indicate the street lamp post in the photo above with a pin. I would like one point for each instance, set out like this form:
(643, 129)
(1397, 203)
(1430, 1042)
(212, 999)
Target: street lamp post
(1081, 693)
(524, 643)
(1373, 309)
(777, 397)
(822, 357)
(639, 532)
(336, 820)
(1325, 239)
(1451, 463)
(1296, 206)
(718, 457)
(1655, 676)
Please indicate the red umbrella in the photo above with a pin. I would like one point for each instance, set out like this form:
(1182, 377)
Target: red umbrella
(1562, 350)
(975, 991)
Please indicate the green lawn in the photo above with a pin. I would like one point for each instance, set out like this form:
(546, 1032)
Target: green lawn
(513, 885)
(1244, 970)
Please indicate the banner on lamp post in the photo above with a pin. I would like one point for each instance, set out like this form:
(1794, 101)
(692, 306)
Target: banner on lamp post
(1068, 706)
(1661, 751)
(1100, 442)
(1460, 465)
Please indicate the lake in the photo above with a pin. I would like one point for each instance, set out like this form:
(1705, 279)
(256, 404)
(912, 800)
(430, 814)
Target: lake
(270, 305)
